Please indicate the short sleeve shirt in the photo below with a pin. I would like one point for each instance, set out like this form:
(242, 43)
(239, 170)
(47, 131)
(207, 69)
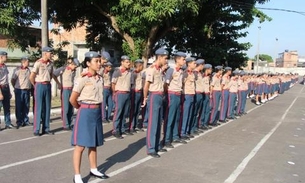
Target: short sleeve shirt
(122, 79)
(206, 84)
(107, 79)
(199, 82)
(3, 75)
(225, 82)
(216, 83)
(173, 78)
(136, 80)
(43, 70)
(22, 78)
(188, 82)
(90, 89)
(154, 76)
(233, 86)
(67, 74)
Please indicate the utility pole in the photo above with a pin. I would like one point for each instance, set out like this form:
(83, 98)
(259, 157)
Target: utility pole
(258, 42)
(44, 23)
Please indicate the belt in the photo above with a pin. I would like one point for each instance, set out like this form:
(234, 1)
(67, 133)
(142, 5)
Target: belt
(197, 92)
(137, 91)
(90, 106)
(233, 92)
(67, 88)
(225, 89)
(44, 82)
(121, 91)
(207, 93)
(107, 87)
(157, 92)
(174, 93)
(4, 86)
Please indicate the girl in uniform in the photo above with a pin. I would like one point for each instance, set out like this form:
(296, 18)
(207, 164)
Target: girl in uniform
(87, 97)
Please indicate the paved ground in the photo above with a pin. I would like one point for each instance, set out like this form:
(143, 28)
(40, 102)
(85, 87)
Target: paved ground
(265, 146)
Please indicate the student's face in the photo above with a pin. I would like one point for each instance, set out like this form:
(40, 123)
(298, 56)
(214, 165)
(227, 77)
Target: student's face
(125, 64)
(192, 65)
(95, 64)
(25, 63)
(48, 55)
(3, 58)
(108, 68)
(163, 59)
(180, 61)
(103, 60)
(139, 67)
(72, 66)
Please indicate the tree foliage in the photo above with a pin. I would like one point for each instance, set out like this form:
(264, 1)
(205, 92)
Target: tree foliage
(264, 57)
(206, 28)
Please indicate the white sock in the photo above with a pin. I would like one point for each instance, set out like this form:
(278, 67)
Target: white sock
(96, 172)
(78, 178)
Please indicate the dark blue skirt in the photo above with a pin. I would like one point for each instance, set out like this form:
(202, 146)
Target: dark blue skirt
(88, 128)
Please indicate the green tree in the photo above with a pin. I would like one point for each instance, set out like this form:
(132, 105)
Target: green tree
(15, 17)
(264, 57)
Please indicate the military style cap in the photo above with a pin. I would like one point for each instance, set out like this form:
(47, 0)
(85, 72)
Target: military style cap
(236, 72)
(180, 54)
(105, 55)
(3, 53)
(189, 59)
(125, 57)
(242, 73)
(24, 58)
(92, 54)
(76, 62)
(108, 64)
(200, 61)
(228, 68)
(161, 51)
(219, 67)
(47, 49)
(139, 61)
(207, 66)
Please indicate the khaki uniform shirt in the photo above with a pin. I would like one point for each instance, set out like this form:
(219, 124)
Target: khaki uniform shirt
(188, 82)
(173, 78)
(122, 79)
(216, 83)
(43, 70)
(225, 82)
(67, 76)
(233, 85)
(206, 84)
(3, 75)
(199, 83)
(107, 79)
(136, 81)
(22, 78)
(90, 89)
(155, 77)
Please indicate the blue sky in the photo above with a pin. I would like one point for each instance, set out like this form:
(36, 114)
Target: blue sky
(289, 28)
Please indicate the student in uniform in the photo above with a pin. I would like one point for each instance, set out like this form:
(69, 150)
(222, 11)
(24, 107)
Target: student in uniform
(5, 90)
(153, 94)
(215, 95)
(198, 100)
(87, 97)
(173, 82)
(259, 89)
(121, 84)
(233, 89)
(242, 94)
(22, 89)
(67, 75)
(40, 78)
(107, 93)
(188, 91)
(224, 94)
(136, 95)
(205, 112)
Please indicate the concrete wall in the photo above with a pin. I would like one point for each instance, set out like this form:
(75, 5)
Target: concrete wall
(299, 70)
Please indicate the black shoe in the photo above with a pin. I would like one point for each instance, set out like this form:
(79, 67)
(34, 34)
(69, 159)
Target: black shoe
(213, 124)
(218, 124)
(168, 145)
(203, 128)
(18, 126)
(154, 155)
(66, 129)
(195, 133)
(222, 121)
(47, 133)
(127, 133)
(190, 136)
(104, 176)
(9, 127)
(118, 136)
(133, 131)
(162, 150)
(185, 138)
(231, 118)
(180, 141)
(36, 134)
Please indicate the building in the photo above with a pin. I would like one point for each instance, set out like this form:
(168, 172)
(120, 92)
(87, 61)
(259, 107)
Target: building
(34, 42)
(287, 59)
(77, 42)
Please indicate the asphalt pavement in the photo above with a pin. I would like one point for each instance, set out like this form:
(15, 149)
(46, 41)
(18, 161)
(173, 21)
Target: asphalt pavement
(264, 146)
